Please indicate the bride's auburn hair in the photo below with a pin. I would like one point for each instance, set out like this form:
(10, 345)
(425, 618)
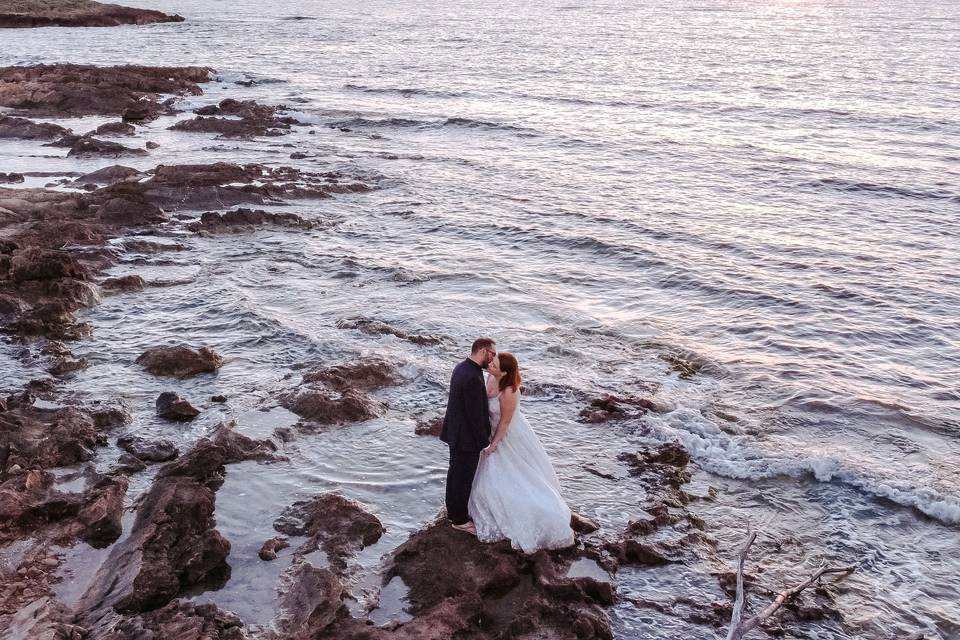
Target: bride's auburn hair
(511, 371)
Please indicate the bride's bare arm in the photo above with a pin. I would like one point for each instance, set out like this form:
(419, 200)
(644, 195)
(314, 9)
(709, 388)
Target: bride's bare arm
(493, 387)
(508, 406)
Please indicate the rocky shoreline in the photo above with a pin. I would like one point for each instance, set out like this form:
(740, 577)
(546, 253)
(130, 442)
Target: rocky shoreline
(22, 14)
(55, 245)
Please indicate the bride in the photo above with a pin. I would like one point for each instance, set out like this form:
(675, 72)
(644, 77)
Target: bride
(515, 493)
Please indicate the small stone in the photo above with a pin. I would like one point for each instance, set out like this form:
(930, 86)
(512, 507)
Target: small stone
(14, 469)
(50, 562)
(152, 145)
(269, 549)
(173, 407)
(218, 398)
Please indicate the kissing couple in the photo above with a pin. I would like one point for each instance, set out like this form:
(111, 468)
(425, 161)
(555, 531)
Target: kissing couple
(500, 482)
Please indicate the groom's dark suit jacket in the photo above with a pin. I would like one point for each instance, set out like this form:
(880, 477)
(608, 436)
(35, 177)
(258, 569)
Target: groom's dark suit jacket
(466, 426)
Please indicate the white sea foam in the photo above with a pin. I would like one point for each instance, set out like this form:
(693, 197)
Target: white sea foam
(744, 457)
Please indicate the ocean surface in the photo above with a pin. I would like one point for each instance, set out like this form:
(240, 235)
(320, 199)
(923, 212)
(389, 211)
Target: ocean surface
(766, 191)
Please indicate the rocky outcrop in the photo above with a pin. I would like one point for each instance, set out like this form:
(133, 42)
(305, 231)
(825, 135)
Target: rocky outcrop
(245, 119)
(11, 178)
(486, 592)
(44, 438)
(341, 527)
(76, 13)
(611, 407)
(173, 545)
(172, 406)
(88, 146)
(245, 220)
(366, 374)
(147, 450)
(179, 620)
(79, 90)
(324, 407)
(180, 361)
(24, 129)
(110, 175)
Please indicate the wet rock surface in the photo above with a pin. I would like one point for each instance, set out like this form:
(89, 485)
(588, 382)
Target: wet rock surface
(172, 406)
(88, 146)
(484, 591)
(430, 427)
(24, 129)
(245, 119)
(611, 407)
(245, 220)
(324, 407)
(341, 527)
(11, 178)
(148, 450)
(74, 89)
(173, 544)
(366, 374)
(180, 361)
(270, 548)
(76, 13)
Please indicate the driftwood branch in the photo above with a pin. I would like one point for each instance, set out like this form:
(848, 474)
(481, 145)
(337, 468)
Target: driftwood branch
(738, 627)
(741, 592)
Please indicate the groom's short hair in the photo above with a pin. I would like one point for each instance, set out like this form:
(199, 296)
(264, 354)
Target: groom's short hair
(482, 343)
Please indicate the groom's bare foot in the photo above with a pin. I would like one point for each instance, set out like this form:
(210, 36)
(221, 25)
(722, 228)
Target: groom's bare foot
(467, 527)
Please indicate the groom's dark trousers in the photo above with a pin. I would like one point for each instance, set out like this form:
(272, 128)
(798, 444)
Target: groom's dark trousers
(466, 429)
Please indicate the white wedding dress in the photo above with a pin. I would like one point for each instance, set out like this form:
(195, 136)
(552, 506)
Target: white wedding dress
(516, 494)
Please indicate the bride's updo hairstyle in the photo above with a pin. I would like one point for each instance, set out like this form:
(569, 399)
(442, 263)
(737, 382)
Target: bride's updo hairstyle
(511, 371)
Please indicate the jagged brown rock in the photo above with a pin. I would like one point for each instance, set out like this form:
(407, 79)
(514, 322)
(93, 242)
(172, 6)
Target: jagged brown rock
(341, 526)
(148, 450)
(173, 544)
(180, 360)
(87, 146)
(78, 90)
(172, 406)
(366, 374)
(24, 129)
(332, 408)
(243, 220)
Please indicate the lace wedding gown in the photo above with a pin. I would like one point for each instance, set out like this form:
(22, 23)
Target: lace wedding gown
(516, 494)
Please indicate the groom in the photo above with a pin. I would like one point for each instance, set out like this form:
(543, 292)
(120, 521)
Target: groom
(466, 429)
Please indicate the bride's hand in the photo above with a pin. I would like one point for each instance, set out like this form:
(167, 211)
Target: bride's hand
(490, 449)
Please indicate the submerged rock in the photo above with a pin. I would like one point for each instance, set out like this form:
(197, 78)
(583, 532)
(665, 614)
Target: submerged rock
(269, 549)
(431, 427)
(123, 284)
(110, 175)
(180, 360)
(611, 407)
(172, 406)
(245, 119)
(376, 327)
(148, 450)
